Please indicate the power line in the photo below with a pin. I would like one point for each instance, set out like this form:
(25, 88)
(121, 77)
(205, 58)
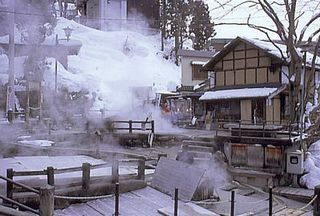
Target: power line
(121, 19)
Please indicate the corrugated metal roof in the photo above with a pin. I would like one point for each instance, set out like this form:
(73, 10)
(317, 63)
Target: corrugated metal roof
(196, 53)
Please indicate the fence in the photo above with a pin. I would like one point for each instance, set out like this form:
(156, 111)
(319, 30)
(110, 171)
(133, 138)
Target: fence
(133, 125)
(46, 193)
(263, 129)
(47, 197)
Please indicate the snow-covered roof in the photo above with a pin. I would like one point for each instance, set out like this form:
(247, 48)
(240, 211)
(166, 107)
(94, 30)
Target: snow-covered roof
(275, 49)
(237, 93)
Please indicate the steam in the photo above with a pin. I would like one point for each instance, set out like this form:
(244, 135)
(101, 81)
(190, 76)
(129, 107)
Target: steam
(110, 65)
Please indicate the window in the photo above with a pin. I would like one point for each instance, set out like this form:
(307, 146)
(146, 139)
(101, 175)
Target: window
(197, 73)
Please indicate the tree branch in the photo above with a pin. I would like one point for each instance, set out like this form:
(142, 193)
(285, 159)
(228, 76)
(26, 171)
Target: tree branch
(312, 20)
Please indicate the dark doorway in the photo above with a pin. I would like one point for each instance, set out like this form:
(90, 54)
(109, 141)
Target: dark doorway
(258, 111)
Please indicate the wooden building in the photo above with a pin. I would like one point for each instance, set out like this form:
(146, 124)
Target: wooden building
(249, 82)
(194, 82)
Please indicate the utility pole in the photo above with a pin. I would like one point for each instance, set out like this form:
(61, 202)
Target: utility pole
(10, 90)
(56, 68)
(176, 32)
(163, 22)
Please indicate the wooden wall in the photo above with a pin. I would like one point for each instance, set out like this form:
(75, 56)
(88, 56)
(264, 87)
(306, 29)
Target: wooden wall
(273, 110)
(245, 65)
(246, 111)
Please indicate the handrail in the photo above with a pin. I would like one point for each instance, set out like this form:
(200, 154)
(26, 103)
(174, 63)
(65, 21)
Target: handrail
(71, 169)
(264, 127)
(20, 185)
(19, 204)
(130, 126)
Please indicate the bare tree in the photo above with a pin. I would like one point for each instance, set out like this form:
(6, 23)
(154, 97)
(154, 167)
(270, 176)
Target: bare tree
(286, 28)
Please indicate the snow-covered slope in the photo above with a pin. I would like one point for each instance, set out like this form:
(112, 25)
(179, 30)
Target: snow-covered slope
(311, 178)
(110, 63)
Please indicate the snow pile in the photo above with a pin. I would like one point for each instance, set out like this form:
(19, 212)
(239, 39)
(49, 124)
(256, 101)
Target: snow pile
(312, 167)
(111, 63)
(42, 143)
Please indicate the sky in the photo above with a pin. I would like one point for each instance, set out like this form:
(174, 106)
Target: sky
(225, 14)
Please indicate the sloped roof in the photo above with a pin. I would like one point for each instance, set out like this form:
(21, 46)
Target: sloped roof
(237, 93)
(279, 51)
(195, 53)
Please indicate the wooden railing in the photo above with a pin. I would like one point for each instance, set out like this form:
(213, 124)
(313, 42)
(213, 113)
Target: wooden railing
(133, 125)
(9, 199)
(13, 186)
(86, 168)
(240, 128)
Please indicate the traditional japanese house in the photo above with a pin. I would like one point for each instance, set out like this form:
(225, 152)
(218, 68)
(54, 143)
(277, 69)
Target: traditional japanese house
(250, 89)
(194, 82)
(249, 82)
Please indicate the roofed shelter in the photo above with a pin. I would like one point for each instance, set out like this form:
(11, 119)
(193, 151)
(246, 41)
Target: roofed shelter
(30, 93)
(250, 79)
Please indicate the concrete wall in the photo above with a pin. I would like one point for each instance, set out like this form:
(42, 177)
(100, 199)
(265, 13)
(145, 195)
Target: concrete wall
(186, 70)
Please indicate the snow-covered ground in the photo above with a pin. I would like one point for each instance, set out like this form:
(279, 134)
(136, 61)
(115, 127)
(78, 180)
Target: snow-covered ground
(111, 63)
(312, 167)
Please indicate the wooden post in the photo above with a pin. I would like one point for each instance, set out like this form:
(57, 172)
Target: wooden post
(50, 176)
(175, 210)
(152, 126)
(270, 201)
(46, 207)
(141, 169)
(316, 204)
(86, 176)
(115, 171)
(9, 184)
(116, 202)
(50, 125)
(130, 126)
(27, 112)
(232, 203)
(239, 128)
(217, 126)
(263, 128)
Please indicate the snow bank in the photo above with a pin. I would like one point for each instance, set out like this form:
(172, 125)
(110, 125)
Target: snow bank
(111, 63)
(312, 167)
(42, 143)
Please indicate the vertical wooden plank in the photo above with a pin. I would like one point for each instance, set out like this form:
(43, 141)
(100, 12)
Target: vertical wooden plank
(175, 211)
(141, 169)
(130, 126)
(152, 126)
(316, 205)
(232, 212)
(10, 174)
(86, 176)
(115, 171)
(50, 176)
(46, 207)
(116, 202)
(270, 201)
